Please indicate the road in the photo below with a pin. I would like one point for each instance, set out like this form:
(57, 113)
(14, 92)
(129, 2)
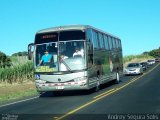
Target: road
(136, 97)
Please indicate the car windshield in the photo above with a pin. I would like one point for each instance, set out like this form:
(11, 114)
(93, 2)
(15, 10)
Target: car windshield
(133, 65)
(60, 56)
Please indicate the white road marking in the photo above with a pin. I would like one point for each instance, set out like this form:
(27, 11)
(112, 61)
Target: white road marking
(19, 101)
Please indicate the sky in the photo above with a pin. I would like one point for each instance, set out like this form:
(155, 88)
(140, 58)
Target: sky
(136, 22)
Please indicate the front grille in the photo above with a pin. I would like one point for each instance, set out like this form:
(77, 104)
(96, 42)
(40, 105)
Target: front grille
(60, 81)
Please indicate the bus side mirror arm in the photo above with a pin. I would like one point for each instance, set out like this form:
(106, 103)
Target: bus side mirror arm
(30, 46)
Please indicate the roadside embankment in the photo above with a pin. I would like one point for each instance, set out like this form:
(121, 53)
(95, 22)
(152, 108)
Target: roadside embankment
(136, 58)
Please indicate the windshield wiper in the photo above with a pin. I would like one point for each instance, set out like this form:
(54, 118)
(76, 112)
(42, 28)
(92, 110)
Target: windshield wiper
(66, 66)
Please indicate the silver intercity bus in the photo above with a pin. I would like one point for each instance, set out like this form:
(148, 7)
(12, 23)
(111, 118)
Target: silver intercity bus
(75, 57)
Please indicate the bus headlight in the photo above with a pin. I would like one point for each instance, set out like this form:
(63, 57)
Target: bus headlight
(40, 81)
(37, 77)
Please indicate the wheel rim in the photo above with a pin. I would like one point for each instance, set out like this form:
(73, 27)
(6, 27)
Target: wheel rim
(117, 78)
(97, 86)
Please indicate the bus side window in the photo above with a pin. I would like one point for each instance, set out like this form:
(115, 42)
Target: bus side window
(116, 43)
(95, 39)
(101, 44)
(90, 46)
(98, 40)
(106, 42)
(110, 42)
(113, 42)
(120, 45)
(90, 53)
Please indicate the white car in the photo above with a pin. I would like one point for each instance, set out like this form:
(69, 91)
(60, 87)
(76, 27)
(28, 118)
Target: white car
(151, 62)
(133, 69)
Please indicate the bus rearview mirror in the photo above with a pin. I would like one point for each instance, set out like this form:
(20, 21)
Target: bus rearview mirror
(30, 51)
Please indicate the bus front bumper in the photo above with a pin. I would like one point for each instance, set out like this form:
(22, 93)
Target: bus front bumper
(44, 87)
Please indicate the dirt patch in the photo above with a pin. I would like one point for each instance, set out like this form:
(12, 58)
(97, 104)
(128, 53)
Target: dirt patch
(15, 88)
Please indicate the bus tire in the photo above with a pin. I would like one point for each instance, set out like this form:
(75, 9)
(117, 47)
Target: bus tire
(117, 80)
(97, 88)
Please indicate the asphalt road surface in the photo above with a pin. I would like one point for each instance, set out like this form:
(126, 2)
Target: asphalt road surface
(135, 98)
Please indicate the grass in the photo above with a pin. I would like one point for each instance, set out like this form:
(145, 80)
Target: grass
(11, 92)
(17, 81)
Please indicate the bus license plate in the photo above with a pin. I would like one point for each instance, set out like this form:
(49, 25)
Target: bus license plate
(60, 87)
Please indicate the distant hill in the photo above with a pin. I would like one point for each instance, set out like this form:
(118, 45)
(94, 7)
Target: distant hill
(142, 57)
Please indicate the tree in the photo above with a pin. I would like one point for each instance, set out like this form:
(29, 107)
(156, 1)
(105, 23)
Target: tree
(155, 53)
(145, 53)
(24, 53)
(4, 60)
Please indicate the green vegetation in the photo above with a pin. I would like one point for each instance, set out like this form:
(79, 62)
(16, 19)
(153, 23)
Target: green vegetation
(4, 60)
(142, 57)
(155, 53)
(15, 68)
(16, 77)
(16, 91)
(17, 73)
(18, 60)
(137, 58)
(24, 53)
(17, 95)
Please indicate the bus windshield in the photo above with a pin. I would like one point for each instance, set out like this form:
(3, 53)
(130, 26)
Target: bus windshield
(60, 56)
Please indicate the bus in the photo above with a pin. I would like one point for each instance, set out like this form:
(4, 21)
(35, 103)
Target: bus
(98, 61)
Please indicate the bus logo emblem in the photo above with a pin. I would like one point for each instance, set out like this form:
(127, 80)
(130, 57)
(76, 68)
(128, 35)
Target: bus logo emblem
(59, 79)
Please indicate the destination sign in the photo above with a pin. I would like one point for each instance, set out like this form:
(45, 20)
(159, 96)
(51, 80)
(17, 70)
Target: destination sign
(46, 38)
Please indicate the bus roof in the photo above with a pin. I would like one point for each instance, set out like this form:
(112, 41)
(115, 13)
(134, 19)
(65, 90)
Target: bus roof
(72, 27)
